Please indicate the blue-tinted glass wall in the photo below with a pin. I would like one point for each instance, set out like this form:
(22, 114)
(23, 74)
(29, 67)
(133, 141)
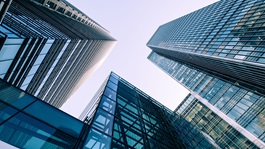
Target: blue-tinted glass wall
(213, 125)
(27, 122)
(242, 105)
(225, 38)
(122, 116)
(46, 52)
(217, 53)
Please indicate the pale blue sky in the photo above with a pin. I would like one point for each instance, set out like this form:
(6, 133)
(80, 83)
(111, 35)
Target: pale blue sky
(132, 23)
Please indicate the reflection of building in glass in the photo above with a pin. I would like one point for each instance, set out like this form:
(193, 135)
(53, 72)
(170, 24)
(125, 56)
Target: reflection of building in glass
(217, 53)
(120, 116)
(128, 118)
(241, 105)
(212, 124)
(47, 47)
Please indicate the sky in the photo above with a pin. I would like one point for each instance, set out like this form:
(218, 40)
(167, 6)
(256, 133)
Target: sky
(132, 23)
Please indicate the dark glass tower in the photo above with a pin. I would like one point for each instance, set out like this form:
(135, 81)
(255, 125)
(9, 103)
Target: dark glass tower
(217, 53)
(225, 39)
(47, 47)
(120, 116)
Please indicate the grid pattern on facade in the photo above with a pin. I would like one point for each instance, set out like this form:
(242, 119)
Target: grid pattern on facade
(225, 37)
(242, 105)
(47, 54)
(124, 124)
(29, 24)
(125, 117)
(206, 120)
(231, 29)
(120, 116)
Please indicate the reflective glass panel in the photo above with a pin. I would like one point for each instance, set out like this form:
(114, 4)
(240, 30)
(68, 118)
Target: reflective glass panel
(114, 80)
(107, 104)
(55, 117)
(97, 140)
(110, 93)
(14, 96)
(25, 132)
(4, 66)
(103, 121)
(112, 86)
(8, 52)
(6, 111)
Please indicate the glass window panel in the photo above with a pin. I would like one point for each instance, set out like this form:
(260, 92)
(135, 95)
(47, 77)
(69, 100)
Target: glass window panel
(8, 52)
(130, 141)
(239, 57)
(139, 145)
(5, 112)
(252, 97)
(107, 104)
(2, 76)
(39, 59)
(110, 93)
(4, 66)
(234, 115)
(14, 96)
(241, 111)
(132, 109)
(262, 60)
(255, 128)
(25, 132)
(242, 106)
(97, 140)
(47, 46)
(115, 76)
(12, 41)
(121, 102)
(33, 69)
(27, 80)
(4, 30)
(246, 102)
(24, 87)
(112, 86)
(55, 117)
(114, 80)
(103, 121)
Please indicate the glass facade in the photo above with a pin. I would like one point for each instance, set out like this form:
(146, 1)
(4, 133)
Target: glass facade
(242, 105)
(210, 123)
(122, 116)
(46, 53)
(27, 122)
(225, 37)
(216, 53)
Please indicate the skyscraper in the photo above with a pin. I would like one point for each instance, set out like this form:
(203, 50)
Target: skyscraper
(217, 53)
(218, 126)
(225, 37)
(120, 116)
(48, 47)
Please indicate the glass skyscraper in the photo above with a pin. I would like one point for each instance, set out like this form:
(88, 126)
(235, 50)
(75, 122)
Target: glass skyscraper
(213, 124)
(48, 47)
(125, 117)
(217, 53)
(120, 116)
